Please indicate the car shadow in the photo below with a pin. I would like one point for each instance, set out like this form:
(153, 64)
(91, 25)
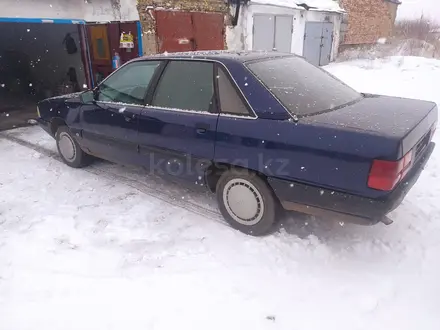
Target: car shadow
(201, 201)
(292, 223)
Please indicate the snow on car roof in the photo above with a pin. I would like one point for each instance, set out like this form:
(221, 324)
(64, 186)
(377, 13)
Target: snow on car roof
(325, 5)
(243, 56)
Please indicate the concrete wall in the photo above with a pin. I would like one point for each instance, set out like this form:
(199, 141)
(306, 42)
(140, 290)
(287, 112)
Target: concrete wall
(241, 37)
(146, 15)
(104, 11)
(96, 10)
(368, 20)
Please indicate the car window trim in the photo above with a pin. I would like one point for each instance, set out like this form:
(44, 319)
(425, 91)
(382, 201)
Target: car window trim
(237, 91)
(216, 89)
(151, 92)
(253, 113)
(165, 61)
(121, 104)
(155, 107)
(159, 77)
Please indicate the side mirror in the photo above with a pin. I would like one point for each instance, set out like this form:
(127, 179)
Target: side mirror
(88, 97)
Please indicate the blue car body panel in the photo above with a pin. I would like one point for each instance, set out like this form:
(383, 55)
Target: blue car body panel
(178, 143)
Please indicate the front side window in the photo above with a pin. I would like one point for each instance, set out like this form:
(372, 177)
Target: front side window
(187, 85)
(129, 84)
(230, 100)
(302, 88)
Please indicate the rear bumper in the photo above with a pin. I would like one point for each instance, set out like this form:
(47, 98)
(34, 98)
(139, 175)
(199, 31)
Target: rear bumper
(351, 208)
(44, 125)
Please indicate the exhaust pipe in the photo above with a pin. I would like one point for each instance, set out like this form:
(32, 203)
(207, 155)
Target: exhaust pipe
(385, 220)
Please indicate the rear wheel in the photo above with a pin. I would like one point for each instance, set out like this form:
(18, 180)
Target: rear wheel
(246, 202)
(69, 150)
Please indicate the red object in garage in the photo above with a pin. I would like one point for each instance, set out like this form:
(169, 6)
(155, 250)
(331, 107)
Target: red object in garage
(189, 31)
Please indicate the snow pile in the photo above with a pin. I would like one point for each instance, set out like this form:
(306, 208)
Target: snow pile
(416, 47)
(324, 5)
(405, 76)
(111, 247)
(400, 47)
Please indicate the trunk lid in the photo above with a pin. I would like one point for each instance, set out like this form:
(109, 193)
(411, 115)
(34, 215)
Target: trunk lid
(408, 121)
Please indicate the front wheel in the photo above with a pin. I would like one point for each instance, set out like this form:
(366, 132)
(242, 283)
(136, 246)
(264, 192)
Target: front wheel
(246, 202)
(69, 149)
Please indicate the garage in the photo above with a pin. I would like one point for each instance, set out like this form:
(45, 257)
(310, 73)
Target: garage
(39, 58)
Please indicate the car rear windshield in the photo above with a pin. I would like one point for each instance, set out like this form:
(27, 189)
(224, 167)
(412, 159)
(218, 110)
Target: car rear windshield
(303, 88)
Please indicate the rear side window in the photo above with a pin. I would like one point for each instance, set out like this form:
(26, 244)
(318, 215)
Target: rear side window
(230, 100)
(303, 88)
(187, 85)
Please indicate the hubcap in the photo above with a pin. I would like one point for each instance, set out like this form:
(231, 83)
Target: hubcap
(67, 147)
(243, 202)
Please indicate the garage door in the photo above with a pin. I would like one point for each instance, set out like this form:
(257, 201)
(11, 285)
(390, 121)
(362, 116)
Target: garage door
(187, 31)
(318, 41)
(273, 32)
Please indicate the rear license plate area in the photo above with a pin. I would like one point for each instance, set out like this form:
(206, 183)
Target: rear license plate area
(422, 145)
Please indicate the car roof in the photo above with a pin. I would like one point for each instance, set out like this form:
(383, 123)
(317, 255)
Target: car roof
(218, 55)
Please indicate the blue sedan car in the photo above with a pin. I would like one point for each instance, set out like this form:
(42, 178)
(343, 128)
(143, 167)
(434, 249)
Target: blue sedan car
(264, 131)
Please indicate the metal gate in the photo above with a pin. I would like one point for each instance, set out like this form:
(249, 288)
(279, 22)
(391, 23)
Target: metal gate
(318, 39)
(188, 31)
(273, 32)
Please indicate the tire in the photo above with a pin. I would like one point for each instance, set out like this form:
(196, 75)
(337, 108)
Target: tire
(237, 187)
(69, 150)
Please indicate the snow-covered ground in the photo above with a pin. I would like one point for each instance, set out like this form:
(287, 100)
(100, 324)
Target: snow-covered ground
(109, 247)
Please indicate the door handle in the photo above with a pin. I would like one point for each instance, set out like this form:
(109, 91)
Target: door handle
(128, 116)
(201, 128)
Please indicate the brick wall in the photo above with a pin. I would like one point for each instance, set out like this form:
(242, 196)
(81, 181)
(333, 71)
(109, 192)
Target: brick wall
(368, 20)
(146, 14)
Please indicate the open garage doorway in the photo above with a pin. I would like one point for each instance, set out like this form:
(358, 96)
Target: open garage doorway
(38, 60)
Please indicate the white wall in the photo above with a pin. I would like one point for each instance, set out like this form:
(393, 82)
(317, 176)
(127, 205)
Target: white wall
(96, 11)
(102, 11)
(241, 37)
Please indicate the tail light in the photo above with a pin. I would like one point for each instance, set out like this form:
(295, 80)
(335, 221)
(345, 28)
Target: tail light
(385, 175)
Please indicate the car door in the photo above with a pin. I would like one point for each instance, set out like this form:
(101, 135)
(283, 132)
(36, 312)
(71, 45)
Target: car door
(110, 124)
(236, 129)
(177, 128)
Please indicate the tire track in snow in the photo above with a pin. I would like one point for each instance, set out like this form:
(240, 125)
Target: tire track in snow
(144, 188)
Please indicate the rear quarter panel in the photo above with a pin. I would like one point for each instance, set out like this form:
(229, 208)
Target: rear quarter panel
(323, 157)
